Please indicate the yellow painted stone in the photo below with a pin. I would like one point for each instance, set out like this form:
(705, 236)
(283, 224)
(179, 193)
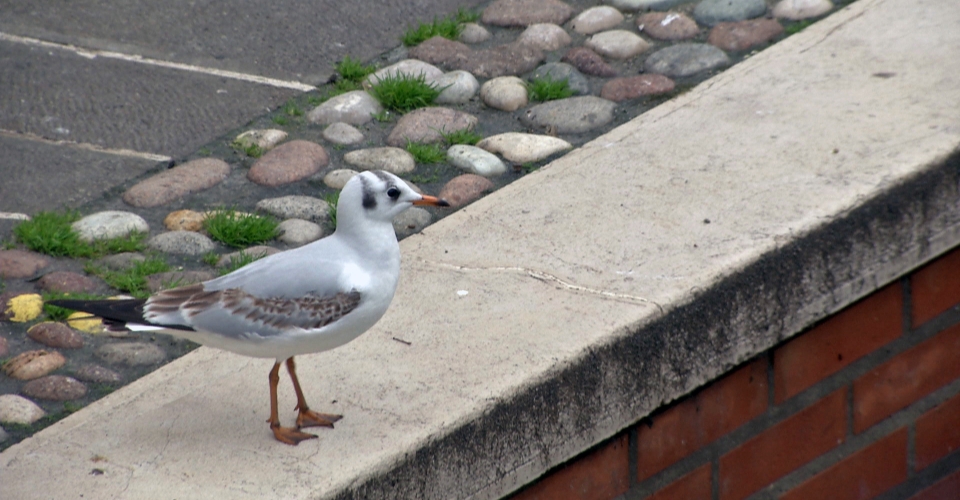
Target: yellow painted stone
(23, 308)
(85, 323)
(184, 220)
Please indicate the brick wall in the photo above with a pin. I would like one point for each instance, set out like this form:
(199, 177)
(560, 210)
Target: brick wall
(865, 404)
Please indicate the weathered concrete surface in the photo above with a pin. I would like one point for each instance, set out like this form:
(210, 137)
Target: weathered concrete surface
(596, 288)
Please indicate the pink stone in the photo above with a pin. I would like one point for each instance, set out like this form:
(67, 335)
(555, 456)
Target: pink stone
(289, 162)
(464, 189)
(631, 87)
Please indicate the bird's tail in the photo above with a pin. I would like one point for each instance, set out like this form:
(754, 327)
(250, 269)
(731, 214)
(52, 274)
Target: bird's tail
(117, 315)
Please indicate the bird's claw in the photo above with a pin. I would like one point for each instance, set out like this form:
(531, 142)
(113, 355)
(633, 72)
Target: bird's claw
(310, 418)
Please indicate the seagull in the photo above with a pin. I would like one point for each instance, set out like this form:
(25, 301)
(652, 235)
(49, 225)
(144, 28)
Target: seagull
(310, 299)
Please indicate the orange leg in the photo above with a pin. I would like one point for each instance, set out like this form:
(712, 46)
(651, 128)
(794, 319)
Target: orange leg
(307, 417)
(287, 435)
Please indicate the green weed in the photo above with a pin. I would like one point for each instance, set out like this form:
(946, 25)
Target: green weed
(332, 199)
(240, 230)
(211, 258)
(248, 148)
(51, 233)
(132, 280)
(797, 27)
(464, 136)
(280, 120)
(427, 175)
(403, 93)
(426, 153)
(447, 28)
(291, 109)
(353, 70)
(548, 89)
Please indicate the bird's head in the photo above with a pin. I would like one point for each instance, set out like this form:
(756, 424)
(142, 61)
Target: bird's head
(375, 195)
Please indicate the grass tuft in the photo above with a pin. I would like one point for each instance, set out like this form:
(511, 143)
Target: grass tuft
(797, 27)
(352, 70)
(465, 136)
(132, 280)
(404, 93)
(332, 199)
(250, 149)
(426, 175)
(449, 27)
(51, 233)
(426, 153)
(240, 230)
(548, 89)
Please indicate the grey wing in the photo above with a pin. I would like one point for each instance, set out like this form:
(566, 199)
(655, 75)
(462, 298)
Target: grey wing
(237, 314)
(291, 274)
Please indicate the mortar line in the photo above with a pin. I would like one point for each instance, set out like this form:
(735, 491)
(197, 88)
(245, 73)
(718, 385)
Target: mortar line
(86, 146)
(95, 53)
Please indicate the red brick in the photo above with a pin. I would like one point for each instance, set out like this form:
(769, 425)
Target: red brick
(944, 489)
(840, 340)
(935, 287)
(906, 378)
(700, 419)
(784, 447)
(598, 475)
(865, 474)
(938, 432)
(694, 486)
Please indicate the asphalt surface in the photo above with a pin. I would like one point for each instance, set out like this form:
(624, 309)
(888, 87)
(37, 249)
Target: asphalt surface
(95, 93)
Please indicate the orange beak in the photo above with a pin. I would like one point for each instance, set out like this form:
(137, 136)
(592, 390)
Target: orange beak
(433, 201)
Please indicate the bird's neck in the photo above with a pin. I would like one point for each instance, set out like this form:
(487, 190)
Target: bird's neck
(377, 239)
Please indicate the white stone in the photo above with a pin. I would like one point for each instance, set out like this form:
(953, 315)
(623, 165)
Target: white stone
(299, 232)
(342, 133)
(265, 139)
(506, 93)
(408, 67)
(475, 160)
(356, 108)
(182, 243)
(796, 10)
(519, 147)
(413, 220)
(474, 33)
(109, 224)
(596, 19)
(635, 5)
(296, 207)
(617, 44)
(336, 179)
(458, 87)
(19, 410)
(131, 353)
(545, 36)
(393, 160)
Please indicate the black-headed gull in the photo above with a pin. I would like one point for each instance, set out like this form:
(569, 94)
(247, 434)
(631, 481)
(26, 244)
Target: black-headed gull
(309, 299)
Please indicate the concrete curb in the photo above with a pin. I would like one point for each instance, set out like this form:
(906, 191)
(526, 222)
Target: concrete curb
(596, 288)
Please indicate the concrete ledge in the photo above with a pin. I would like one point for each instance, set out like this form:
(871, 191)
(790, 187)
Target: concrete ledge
(596, 289)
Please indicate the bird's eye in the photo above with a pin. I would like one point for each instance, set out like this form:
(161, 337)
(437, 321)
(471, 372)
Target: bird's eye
(393, 193)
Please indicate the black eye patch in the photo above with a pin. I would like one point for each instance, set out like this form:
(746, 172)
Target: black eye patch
(393, 192)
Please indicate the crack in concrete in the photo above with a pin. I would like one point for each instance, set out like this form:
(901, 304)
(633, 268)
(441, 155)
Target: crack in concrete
(842, 24)
(556, 280)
